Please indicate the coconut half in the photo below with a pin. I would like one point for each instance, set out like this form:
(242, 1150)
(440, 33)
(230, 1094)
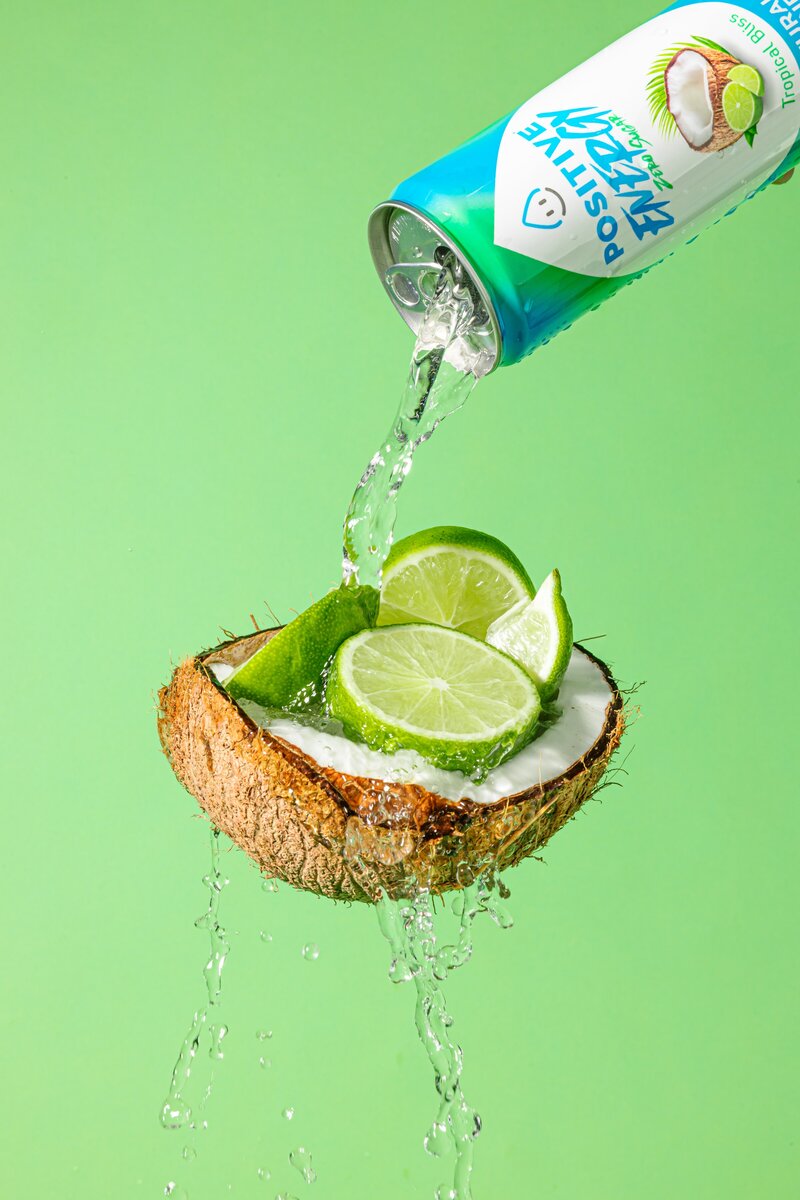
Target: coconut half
(352, 837)
(694, 80)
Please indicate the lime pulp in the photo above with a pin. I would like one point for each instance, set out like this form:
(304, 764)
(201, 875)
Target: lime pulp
(454, 577)
(538, 635)
(453, 699)
(748, 77)
(742, 109)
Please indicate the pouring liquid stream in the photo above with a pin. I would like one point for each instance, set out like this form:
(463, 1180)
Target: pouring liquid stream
(445, 366)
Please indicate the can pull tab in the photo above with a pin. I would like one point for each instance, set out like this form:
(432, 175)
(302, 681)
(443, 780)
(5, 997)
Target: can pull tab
(413, 284)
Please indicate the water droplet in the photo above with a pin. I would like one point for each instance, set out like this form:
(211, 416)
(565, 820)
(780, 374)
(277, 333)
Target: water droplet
(265, 937)
(288, 1113)
(263, 1174)
(436, 1140)
(500, 914)
(465, 874)
(218, 1035)
(263, 1034)
(269, 885)
(188, 1153)
(176, 1112)
(311, 951)
(177, 1193)
(301, 1161)
(265, 1063)
(174, 1118)
(445, 1192)
(400, 971)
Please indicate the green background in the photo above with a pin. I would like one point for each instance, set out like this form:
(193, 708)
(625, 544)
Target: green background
(197, 362)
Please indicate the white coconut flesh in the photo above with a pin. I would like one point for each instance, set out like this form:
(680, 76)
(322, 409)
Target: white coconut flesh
(584, 698)
(689, 97)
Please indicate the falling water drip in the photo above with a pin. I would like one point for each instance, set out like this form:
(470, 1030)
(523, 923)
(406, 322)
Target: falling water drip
(300, 1159)
(415, 935)
(178, 1112)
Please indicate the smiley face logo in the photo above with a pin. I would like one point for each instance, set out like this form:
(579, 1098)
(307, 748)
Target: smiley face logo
(544, 209)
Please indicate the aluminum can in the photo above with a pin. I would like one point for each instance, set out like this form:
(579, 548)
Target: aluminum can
(592, 181)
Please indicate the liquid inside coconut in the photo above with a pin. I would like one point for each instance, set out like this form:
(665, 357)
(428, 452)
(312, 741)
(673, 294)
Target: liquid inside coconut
(583, 701)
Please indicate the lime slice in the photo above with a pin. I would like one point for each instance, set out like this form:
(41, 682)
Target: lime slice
(451, 576)
(453, 699)
(538, 635)
(748, 77)
(742, 109)
(287, 671)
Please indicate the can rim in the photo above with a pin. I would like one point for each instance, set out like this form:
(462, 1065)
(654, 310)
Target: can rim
(378, 238)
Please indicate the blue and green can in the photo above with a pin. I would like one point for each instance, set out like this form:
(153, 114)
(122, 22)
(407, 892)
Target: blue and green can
(601, 175)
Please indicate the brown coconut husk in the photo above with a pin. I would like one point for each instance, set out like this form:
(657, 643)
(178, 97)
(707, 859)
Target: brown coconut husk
(718, 65)
(339, 835)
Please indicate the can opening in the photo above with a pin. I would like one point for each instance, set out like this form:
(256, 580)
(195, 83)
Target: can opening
(409, 252)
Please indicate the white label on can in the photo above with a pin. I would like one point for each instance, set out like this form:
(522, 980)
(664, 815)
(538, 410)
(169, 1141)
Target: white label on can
(643, 145)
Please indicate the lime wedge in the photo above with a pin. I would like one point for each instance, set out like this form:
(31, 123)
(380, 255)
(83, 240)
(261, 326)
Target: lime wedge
(287, 671)
(451, 576)
(748, 77)
(742, 109)
(453, 699)
(538, 635)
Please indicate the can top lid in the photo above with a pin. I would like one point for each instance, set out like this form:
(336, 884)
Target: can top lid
(409, 250)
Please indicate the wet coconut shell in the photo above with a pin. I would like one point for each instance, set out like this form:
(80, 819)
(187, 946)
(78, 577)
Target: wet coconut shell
(339, 835)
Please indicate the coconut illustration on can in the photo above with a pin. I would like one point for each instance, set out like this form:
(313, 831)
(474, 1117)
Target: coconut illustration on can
(710, 97)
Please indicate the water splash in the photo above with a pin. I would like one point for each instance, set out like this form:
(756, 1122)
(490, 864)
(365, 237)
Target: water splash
(270, 886)
(178, 1110)
(416, 935)
(300, 1159)
(444, 369)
